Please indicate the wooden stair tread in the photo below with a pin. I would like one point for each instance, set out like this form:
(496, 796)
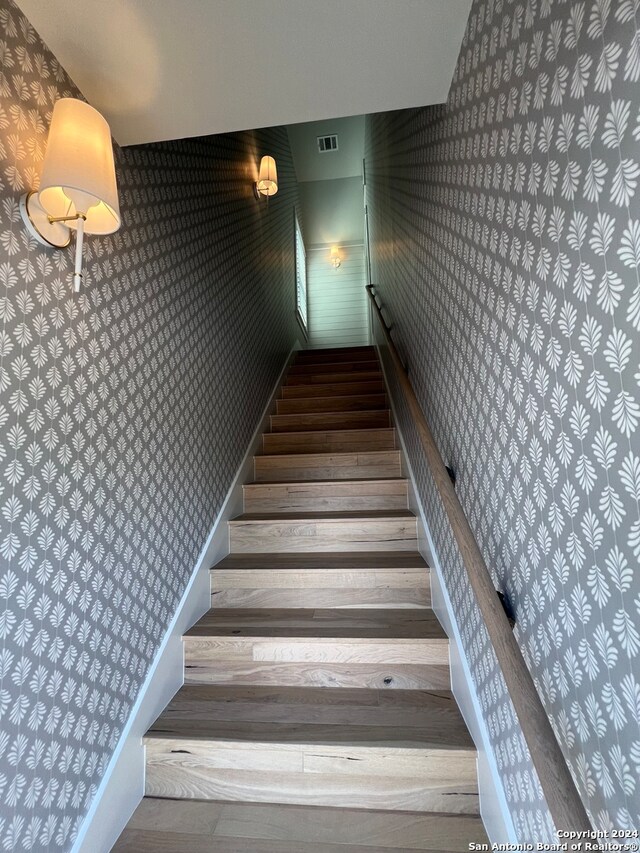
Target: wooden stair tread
(323, 464)
(310, 495)
(332, 354)
(323, 377)
(332, 389)
(309, 435)
(358, 439)
(328, 458)
(295, 531)
(326, 624)
(330, 481)
(334, 350)
(338, 403)
(351, 348)
(330, 421)
(194, 776)
(332, 560)
(391, 737)
(208, 711)
(352, 366)
(363, 515)
(317, 696)
(337, 354)
(376, 411)
(345, 352)
(175, 826)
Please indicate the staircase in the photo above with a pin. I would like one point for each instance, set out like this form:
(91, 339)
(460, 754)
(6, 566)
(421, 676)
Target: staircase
(316, 714)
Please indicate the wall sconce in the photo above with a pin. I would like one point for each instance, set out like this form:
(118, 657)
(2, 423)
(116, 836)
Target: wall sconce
(267, 183)
(78, 183)
(336, 260)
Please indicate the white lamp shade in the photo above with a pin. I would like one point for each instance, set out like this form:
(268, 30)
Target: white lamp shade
(268, 176)
(78, 174)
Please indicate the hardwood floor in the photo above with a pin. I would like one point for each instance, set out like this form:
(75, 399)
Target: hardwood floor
(169, 826)
(316, 714)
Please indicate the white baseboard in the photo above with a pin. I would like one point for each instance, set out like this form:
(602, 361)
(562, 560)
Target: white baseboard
(493, 803)
(122, 786)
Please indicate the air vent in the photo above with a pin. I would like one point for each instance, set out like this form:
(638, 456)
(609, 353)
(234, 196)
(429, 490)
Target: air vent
(328, 143)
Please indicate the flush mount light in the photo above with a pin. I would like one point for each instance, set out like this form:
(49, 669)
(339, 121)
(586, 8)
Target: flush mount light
(336, 260)
(78, 183)
(267, 183)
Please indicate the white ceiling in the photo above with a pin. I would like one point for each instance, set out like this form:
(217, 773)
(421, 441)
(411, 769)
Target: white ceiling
(166, 69)
(312, 165)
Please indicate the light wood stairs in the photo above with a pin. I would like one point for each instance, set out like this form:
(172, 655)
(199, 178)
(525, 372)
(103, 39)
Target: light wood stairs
(316, 714)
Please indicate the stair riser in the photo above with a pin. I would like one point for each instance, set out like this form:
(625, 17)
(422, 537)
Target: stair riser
(331, 356)
(337, 389)
(341, 403)
(357, 598)
(353, 535)
(321, 588)
(373, 676)
(442, 781)
(314, 421)
(192, 781)
(335, 349)
(330, 441)
(278, 650)
(353, 366)
(344, 472)
(315, 579)
(328, 504)
(318, 497)
(323, 377)
(445, 766)
(328, 466)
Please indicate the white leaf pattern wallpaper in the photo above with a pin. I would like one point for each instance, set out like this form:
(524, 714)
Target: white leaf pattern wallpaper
(506, 244)
(124, 414)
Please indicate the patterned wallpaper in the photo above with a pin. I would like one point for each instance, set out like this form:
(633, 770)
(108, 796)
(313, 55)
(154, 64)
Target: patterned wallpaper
(506, 245)
(124, 414)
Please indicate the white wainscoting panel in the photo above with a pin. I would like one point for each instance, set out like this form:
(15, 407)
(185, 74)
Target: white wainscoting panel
(337, 298)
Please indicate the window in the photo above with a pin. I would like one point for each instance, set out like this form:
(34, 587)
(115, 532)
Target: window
(301, 276)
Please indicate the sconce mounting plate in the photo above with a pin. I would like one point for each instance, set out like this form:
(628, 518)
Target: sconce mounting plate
(55, 235)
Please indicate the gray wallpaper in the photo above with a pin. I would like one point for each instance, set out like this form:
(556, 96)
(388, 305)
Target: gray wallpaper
(506, 244)
(124, 413)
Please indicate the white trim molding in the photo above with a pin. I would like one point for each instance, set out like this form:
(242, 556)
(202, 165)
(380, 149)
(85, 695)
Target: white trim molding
(122, 786)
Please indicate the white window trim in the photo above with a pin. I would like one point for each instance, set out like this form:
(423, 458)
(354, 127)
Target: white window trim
(302, 290)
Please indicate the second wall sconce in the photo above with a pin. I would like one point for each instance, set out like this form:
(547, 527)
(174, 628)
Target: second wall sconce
(78, 183)
(267, 183)
(336, 260)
